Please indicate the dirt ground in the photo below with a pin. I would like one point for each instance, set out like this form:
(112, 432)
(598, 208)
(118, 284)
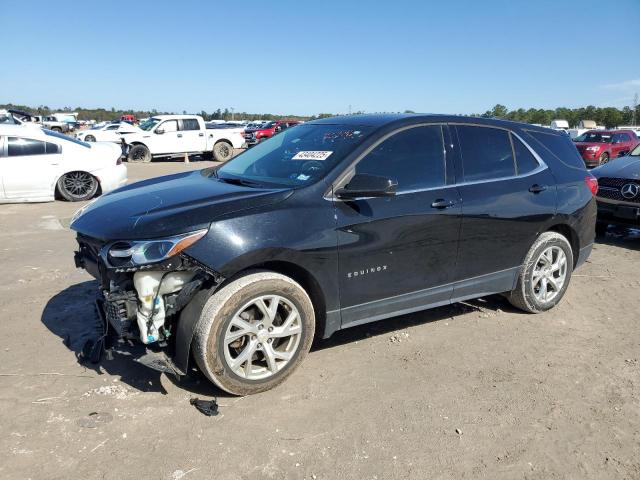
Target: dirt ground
(475, 390)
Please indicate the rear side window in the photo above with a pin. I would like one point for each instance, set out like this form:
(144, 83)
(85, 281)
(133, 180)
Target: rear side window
(52, 148)
(559, 146)
(190, 124)
(18, 147)
(486, 153)
(414, 157)
(524, 158)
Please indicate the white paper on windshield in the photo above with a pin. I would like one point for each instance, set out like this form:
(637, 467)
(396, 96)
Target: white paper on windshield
(312, 155)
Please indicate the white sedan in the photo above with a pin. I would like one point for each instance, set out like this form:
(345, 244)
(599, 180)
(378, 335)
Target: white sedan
(111, 132)
(38, 165)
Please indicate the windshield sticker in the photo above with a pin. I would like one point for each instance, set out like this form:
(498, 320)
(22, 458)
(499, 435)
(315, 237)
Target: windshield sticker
(303, 177)
(312, 155)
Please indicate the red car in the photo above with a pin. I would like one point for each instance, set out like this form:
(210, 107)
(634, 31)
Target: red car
(597, 147)
(267, 130)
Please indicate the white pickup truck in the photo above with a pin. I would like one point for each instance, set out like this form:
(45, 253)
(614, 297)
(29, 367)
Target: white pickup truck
(177, 135)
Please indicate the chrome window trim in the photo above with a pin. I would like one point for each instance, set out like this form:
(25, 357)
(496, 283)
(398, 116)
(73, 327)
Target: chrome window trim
(542, 166)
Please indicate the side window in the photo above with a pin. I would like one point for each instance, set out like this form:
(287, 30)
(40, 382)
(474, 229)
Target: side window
(486, 153)
(559, 146)
(414, 157)
(625, 137)
(18, 147)
(524, 158)
(169, 126)
(190, 124)
(616, 138)
(113, 127)
(52, 148)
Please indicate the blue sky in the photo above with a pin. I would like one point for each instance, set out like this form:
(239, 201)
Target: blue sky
(307, 57)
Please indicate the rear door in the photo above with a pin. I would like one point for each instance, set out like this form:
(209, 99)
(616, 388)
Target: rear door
(398, 253)
(192, 136)
(508, 194)
(29, 167)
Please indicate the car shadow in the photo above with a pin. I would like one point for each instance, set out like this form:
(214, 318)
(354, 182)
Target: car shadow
(491, 304)
(620, 236)
(72, 316)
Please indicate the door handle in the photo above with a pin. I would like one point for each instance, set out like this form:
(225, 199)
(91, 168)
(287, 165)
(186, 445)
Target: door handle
(179, 135)
(441, 203)
(201, 134)
(537, 188)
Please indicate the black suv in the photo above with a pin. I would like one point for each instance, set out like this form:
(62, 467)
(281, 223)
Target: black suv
(335, 223)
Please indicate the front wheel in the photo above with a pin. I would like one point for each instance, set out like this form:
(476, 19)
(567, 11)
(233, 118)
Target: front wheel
(254, 332)
(545, 275)
(77, 186)
(604, 158)
(222, 151)
(139, 154)
(89, 138)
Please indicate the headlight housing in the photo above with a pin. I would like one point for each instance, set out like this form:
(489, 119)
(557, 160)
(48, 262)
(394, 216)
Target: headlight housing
(144, 252)
(594, 148)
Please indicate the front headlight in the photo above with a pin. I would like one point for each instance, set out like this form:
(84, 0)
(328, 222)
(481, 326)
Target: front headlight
(143, 252)
(592, 149)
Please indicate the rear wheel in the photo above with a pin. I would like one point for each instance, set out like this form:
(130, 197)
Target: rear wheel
(139, 154)
(545, 275)
(77, 186)
(222, 151)
(254, 332)
(89, 138)
(604, 158)
(56, 129)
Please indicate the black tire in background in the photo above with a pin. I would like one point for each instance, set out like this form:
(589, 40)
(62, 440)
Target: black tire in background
(139, 154)
(89, 138)
(77, 186)
(222, 151)
(524, 295)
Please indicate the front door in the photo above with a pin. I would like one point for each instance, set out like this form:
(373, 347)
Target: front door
(397, 254)
(167, 141)
(29, 167)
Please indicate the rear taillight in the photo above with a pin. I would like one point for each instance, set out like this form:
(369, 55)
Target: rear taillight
(592, 183)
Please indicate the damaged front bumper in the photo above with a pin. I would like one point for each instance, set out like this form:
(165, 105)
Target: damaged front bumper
(157, 305)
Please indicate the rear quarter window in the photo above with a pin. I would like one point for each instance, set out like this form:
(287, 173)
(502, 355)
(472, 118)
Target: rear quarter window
(559, 147)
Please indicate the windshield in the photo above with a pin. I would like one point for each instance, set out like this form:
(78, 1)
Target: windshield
(6, 117)
(594, 137)
(149, 124)
(51, 133)
(299, 156)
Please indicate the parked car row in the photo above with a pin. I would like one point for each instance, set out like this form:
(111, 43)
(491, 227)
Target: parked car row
(597, 147)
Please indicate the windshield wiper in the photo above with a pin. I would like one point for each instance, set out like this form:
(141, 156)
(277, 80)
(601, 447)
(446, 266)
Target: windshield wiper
(237, 181)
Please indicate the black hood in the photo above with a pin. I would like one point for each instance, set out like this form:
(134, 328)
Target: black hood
(169, 205)
(622, 167)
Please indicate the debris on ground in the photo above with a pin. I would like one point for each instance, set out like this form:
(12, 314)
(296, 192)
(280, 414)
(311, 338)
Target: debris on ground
(207, 407)
(94, 419)
(398, 337)
(120, 392)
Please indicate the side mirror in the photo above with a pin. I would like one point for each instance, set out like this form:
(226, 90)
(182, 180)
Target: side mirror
(160, 131)
(363, 185)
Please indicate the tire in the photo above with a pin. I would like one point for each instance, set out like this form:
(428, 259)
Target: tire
(524, 296)
(223, 151)
(56, 129)
(601, 229)
(604, 158)
(214, 353)
(77, 186)
(89, 138)
(139, 154)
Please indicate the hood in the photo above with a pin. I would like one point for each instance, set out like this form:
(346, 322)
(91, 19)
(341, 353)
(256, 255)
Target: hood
(621, 167)
(169, 205)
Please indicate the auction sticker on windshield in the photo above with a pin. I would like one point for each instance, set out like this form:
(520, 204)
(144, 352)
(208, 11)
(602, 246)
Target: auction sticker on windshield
(312, 155)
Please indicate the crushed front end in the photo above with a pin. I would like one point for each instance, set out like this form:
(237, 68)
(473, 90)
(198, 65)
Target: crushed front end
(144, 286)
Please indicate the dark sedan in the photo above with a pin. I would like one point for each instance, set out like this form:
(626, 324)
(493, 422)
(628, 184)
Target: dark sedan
(619, 192)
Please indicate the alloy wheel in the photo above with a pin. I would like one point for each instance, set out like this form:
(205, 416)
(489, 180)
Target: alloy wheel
(262, 337)
(549, 274)
(78, 184)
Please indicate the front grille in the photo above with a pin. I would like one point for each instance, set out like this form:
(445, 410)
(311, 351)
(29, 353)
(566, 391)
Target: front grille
(609, 187)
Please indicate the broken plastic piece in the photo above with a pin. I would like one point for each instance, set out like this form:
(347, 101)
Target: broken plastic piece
(207, 407)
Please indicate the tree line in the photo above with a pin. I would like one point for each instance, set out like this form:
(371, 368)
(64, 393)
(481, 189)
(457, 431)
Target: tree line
(607, 116)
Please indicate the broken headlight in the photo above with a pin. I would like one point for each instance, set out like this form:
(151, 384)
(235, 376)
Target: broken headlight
(143, 252)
